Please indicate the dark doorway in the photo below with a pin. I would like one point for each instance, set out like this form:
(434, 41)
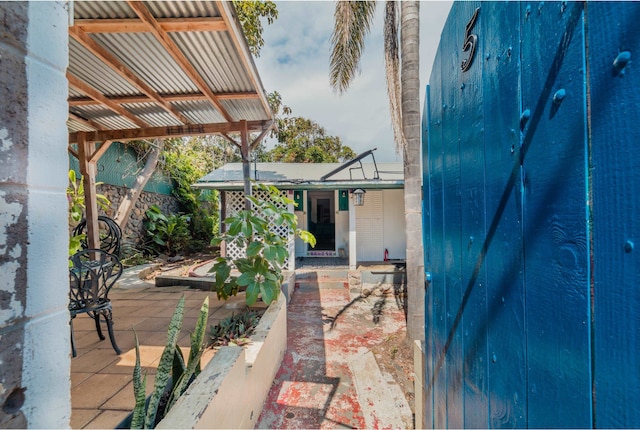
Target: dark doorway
(322, 219)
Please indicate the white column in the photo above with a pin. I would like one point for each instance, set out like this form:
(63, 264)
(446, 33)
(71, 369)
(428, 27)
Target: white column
(46, 353)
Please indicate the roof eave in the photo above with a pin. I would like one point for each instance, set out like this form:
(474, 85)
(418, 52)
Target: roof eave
(306, 185)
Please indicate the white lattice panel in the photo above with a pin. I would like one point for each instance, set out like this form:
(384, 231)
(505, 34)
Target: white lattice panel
(235, 203)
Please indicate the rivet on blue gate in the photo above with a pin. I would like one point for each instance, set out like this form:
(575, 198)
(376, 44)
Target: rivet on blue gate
(621, 61)
(444, 106)
(527, 11)
(524, 118)
(487, 56)
(540, 6)
(494, 358)
(628, 246)
(563, 6)
(462, 86)
(559, 96)
(427, 276)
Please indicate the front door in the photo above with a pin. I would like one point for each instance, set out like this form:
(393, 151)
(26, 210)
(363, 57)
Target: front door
(322, 222)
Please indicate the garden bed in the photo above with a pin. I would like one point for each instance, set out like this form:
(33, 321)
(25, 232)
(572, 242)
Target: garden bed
(231, 389)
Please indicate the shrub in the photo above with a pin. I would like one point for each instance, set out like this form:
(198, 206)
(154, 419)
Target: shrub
(265, 252)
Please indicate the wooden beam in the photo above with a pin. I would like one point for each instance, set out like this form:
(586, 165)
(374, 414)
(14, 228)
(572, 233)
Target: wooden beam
(257, 140)
(88, 171)
(86, 101)
(129, 25)
(239, 41)
(100, 151)
(73, 152)
(143, 13)
(163, 132)
(117, 66)
(97, 95)
(89, 123)
(231, 139)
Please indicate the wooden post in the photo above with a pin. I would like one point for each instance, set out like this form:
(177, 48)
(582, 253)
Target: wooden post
(246, 168)
(88, 172)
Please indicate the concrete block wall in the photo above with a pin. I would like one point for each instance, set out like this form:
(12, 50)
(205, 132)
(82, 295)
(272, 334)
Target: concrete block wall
(34, 330)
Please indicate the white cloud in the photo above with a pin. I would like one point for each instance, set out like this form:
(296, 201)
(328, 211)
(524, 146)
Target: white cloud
(295, 62)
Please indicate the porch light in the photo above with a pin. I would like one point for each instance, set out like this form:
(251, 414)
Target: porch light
(358, 196)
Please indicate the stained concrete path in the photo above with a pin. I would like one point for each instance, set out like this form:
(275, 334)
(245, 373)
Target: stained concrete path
(329, 377)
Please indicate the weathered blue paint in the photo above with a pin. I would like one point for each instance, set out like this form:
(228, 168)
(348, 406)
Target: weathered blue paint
(531, 212)
(615, 201)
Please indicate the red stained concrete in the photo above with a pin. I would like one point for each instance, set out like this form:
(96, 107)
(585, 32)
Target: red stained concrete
(314, 387)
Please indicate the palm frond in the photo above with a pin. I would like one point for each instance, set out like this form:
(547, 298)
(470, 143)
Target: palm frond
(352, 23)
(392, 70)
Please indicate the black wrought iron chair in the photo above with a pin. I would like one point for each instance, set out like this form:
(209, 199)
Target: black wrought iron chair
(110, 234)
(91, 276)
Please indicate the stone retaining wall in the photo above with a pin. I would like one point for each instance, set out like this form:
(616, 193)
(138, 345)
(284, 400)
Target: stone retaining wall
(134, 230)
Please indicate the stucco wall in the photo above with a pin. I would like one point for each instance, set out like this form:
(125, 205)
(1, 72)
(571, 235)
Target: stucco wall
(34, 331)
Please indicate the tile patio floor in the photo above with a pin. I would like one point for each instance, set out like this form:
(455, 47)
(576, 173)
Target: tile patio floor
(319, 357)
(101, 381)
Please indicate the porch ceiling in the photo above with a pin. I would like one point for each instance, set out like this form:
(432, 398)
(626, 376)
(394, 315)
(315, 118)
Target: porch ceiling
(146, 69)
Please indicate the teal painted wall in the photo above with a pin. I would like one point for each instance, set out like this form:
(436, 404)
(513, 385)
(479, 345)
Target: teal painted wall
(118, 166)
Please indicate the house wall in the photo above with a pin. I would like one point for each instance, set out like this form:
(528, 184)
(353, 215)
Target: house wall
(380, 225)
(34, 284)
(394, 237)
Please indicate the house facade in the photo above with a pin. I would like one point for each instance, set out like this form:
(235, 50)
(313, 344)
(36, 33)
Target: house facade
(369, 230)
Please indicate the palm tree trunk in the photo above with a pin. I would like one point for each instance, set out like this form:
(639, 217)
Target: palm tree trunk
(410, 84)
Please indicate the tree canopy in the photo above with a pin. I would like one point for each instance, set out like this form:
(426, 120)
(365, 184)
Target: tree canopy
(302, 140)
(249, 13)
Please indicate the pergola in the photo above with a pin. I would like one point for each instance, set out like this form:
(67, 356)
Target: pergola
(158, 69)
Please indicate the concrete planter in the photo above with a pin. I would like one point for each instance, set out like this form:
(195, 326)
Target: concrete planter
(232, 388)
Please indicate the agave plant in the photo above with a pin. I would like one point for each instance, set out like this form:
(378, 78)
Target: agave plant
(171, 369)
(235, 330)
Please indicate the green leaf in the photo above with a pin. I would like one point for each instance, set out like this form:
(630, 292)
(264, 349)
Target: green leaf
(216, 241)
(159, 241)
(254, 248)
(222, 272)
(244, 279)
(235, 228)
(178, 366)
(197, 348)
(253, 200)
(247, 229)
(269, 290)
(307, 237)
(163, 371)
(290, 218)
(139, 390)
(252, 292)
(270, 252)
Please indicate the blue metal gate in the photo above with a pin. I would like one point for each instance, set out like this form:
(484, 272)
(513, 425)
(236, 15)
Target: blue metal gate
(531, 142)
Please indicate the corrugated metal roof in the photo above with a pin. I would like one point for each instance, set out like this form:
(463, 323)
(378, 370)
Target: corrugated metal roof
(307, 175)
(219, 57)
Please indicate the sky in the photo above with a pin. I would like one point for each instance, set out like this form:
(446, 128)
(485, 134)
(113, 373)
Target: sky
(295, 62)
